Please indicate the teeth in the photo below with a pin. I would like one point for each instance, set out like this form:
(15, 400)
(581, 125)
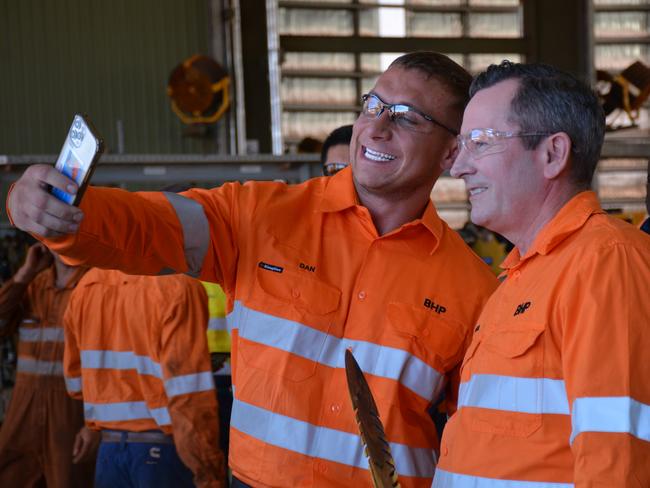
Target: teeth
(476, 191)
(378, 156)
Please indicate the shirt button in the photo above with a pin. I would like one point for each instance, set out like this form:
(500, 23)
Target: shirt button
(321, 467)
(335, 408)
(445, 450)
(295, 293)
(362, 295)
(516, 274)
(425, 332)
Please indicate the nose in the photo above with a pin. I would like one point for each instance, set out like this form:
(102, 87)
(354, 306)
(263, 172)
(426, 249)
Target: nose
(461, 165)
(380, 124)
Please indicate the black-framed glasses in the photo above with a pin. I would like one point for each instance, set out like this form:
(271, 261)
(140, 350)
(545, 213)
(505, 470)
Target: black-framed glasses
(481, 142)
(330, 169)
(404, 116)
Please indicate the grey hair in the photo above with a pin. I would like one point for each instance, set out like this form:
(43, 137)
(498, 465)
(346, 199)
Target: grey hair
(550, 100)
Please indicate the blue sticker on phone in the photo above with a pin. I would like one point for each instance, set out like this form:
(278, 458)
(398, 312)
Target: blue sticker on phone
(70, 167)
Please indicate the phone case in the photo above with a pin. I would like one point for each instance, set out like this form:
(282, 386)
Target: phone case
(77, 160)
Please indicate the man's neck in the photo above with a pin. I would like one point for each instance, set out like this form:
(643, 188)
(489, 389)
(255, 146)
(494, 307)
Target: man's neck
(549, 208)
(388, 213)
(63, 273)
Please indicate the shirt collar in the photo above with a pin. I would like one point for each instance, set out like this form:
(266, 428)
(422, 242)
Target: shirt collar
(571, 217)
(340, 194)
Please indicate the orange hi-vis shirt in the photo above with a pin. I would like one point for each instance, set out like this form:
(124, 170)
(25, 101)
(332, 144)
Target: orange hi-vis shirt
(308, 277)
(136, 353)
(555, 387)
(36, 310)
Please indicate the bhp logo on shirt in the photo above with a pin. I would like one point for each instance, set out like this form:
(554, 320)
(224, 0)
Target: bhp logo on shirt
(436, 307)
(521, 308)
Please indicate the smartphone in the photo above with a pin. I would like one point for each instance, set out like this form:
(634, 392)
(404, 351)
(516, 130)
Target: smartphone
(77, 160)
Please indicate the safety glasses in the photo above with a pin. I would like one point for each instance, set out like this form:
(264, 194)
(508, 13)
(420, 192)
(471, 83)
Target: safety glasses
(481, 142)
(404, 116)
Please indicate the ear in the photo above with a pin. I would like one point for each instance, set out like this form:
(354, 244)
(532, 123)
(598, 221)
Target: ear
(557, 154)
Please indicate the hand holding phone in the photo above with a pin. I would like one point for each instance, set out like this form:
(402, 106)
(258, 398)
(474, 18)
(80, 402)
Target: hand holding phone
(80, 153)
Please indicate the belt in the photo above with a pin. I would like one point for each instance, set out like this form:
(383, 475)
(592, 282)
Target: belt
(152, 437)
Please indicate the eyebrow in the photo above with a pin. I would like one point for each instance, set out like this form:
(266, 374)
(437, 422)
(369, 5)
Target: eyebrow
(373, 92)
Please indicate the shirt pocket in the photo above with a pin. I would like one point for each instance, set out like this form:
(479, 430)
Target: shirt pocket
(507, 381)
(286, 322)
(436, 341)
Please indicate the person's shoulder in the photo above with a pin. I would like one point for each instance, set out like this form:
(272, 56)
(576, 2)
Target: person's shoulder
(607, 243)
(307, 187)
(97, 276)
(264, 194)
(173, 286)
(603, 231)
(458, 252)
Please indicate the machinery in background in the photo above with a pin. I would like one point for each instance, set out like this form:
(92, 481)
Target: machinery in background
(199, 89)
(624, 93)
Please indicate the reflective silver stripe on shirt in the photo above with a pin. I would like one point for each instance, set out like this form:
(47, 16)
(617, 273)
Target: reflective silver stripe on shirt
(610, 414)
(513, 394)
(196, 231)
(323, 442)
(445, 479)
(41, 334)
(120, 360)
(317, 346)
(73, 384)
(217, 323)
(189, 383)
(35, 366)
(123, 411)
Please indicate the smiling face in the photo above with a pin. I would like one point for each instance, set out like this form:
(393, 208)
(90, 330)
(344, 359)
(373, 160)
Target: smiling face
(391, 161)
(506, 188)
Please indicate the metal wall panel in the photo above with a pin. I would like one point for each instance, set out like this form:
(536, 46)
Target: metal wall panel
(110, 59)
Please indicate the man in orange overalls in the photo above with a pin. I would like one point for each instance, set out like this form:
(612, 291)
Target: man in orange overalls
(43, 438)
(360, 260)
(136, 352)
(555, 386)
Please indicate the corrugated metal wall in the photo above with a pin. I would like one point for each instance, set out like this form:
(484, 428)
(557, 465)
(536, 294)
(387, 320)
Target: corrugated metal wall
(110, 59)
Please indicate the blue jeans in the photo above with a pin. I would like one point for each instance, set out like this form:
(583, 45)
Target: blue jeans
(140, 465)
(223, 386)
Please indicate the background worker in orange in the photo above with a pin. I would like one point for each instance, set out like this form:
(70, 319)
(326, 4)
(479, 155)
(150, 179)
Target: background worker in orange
(136, 353)
(555, 388)
(43, 438)
(357, 260)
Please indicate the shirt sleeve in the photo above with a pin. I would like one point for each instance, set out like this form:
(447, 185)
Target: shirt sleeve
(152, 233)
(189, 385)
(605, 346)
(71, 357)
(12, 305)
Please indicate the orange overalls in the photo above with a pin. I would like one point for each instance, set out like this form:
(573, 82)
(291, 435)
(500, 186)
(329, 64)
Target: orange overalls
(307, 277)
(41, 423)
(555, 388)
(136, 353)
